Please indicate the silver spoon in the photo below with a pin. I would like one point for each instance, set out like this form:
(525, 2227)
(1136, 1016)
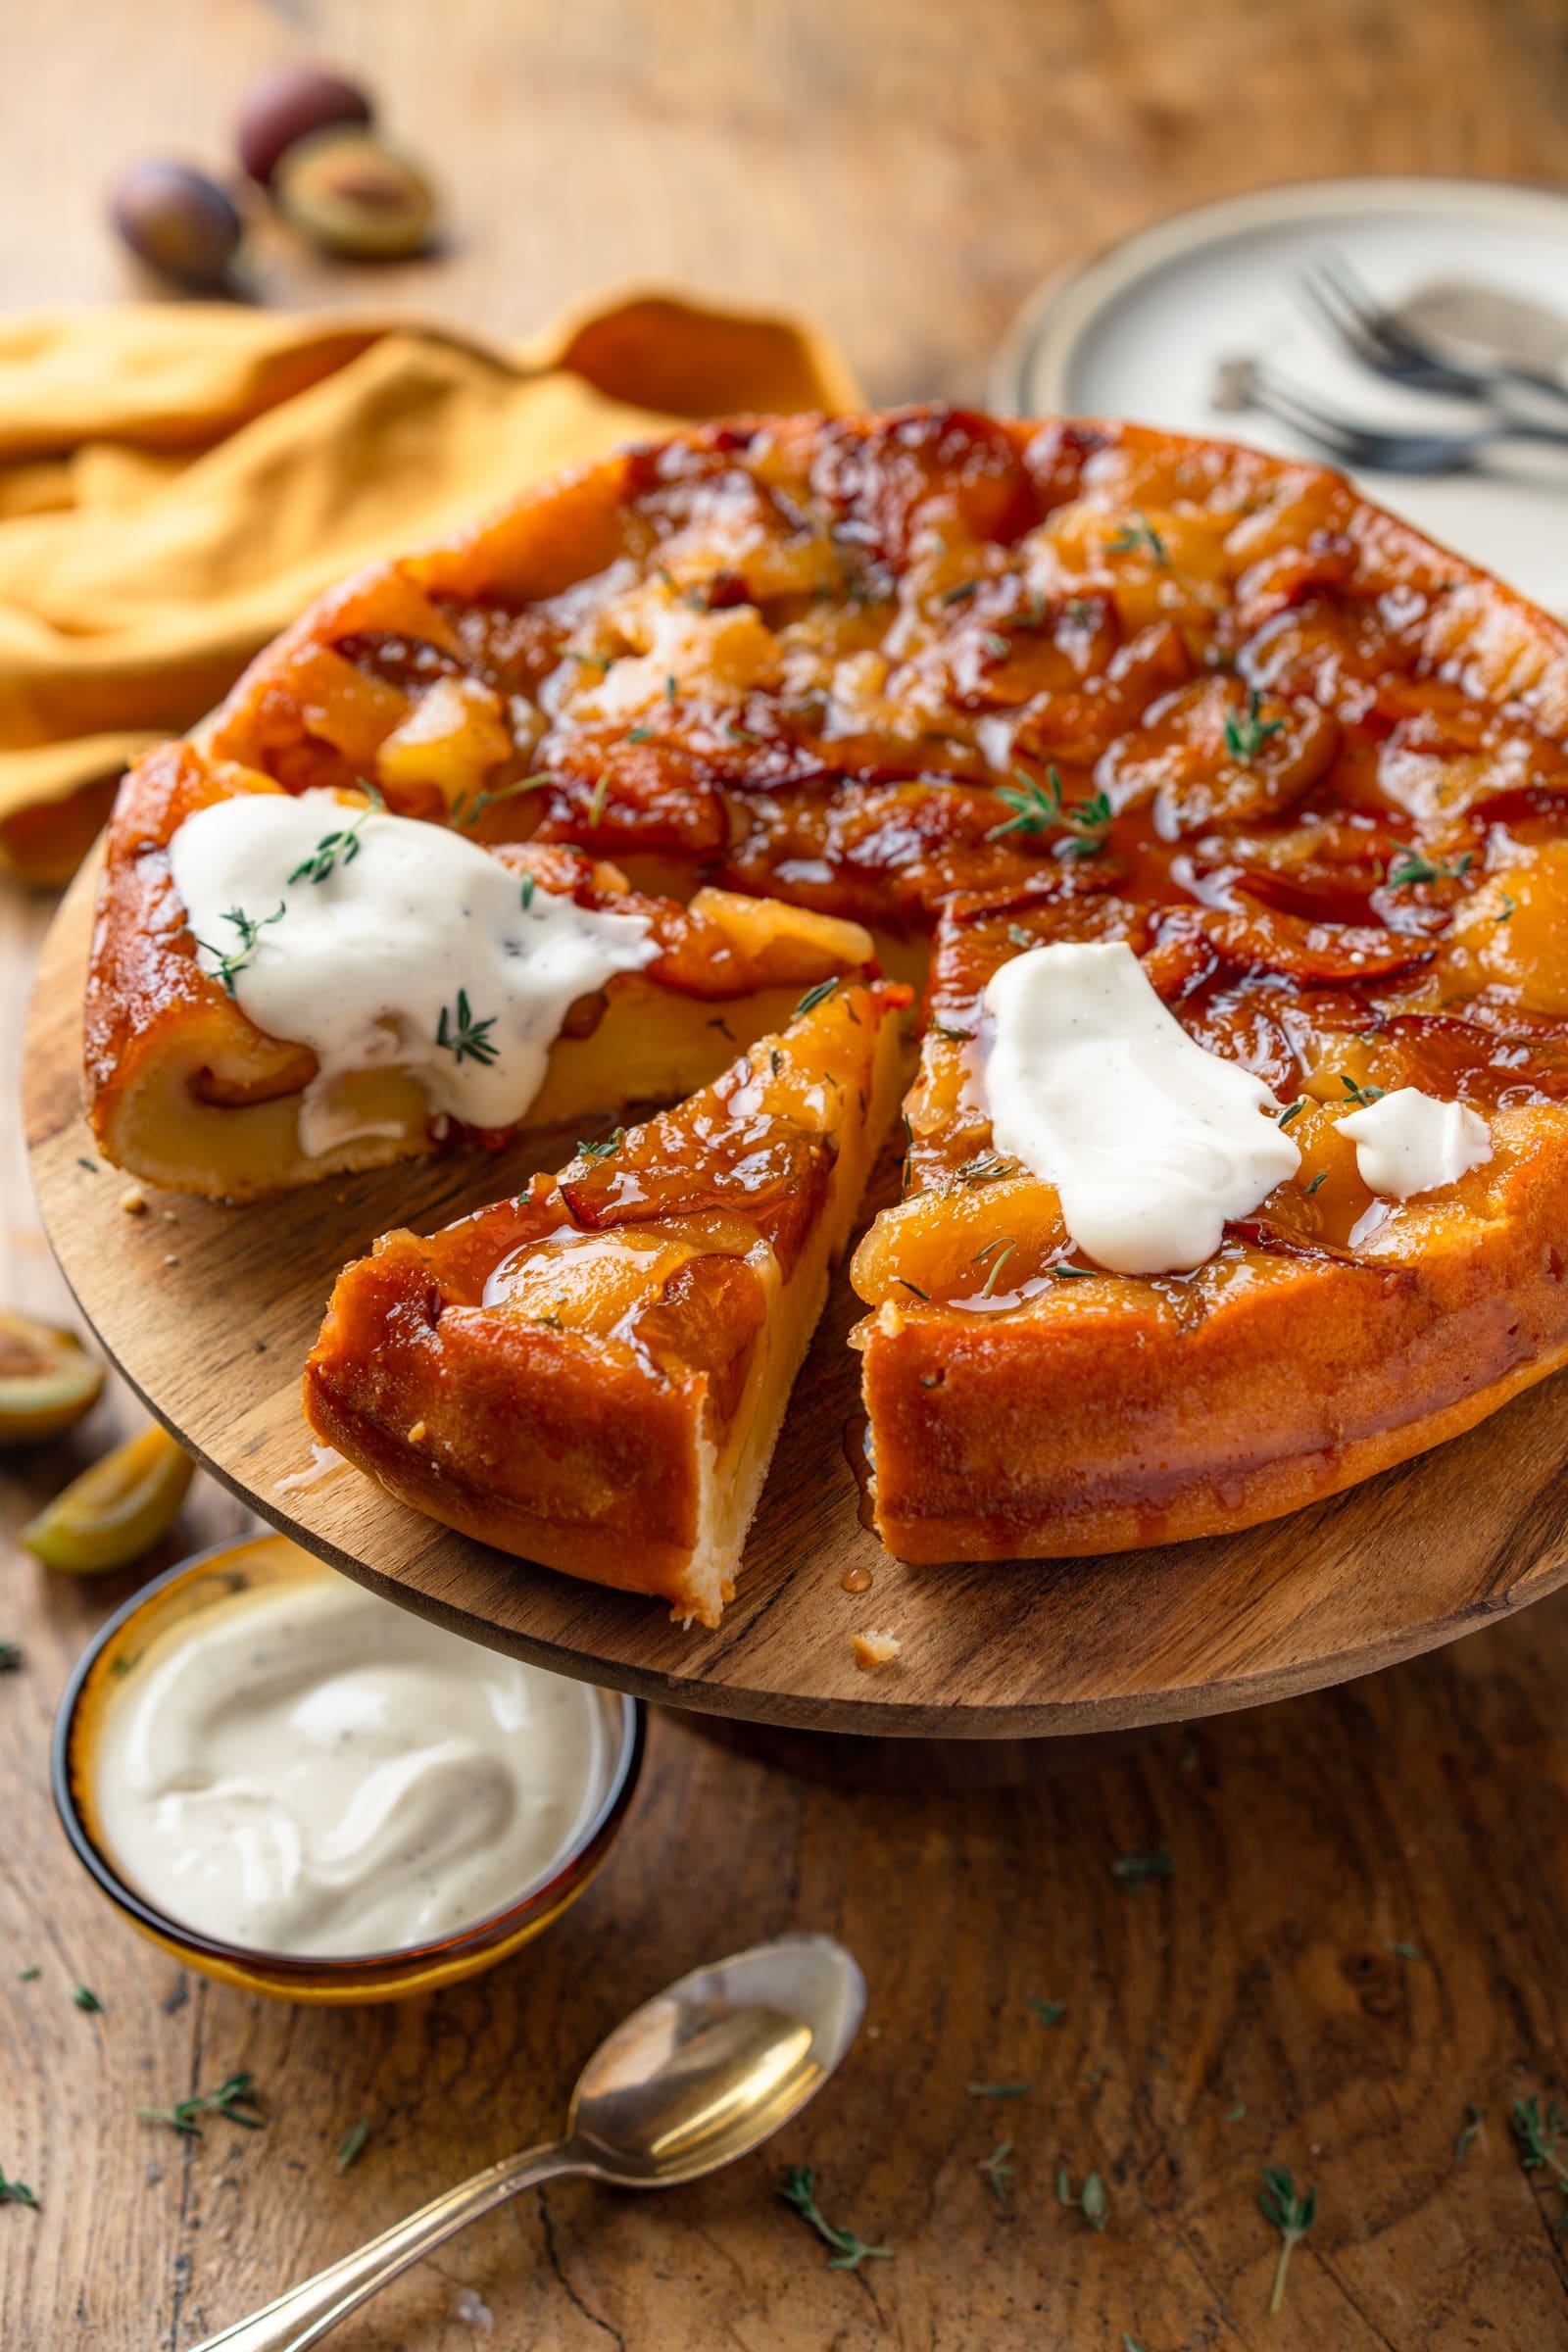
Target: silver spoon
(694, 2079)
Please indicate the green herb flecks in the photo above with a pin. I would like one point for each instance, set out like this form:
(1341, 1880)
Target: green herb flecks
(1130, 537)
(1044, 2013)
(466, 1038)
(989, 1167)
(1136, 1870)
(595, 801)
(1091, 2200)
(845, 2251)
(997, 2172)
(641, 735)
(249, 927)
(85, 1998)
(10, 1657)
(530, 885)
(1538, 2137)
(468, 806)
(1361, 1096)
(17, 2192)
(913, 1290)
(999, 2091)
(352, 2147)
(231, 2100)
(27, 1975)
(1506, 916)
(961, 594)
(1235, 2113)
(1411, 867)
(1246, 733)
(1039, 809)
(1474, 2124)
(338, 848)
(1321, 1177)
(1008, 1248)
(1292, 1111)
(1407, 1951)
(814, 996)
(1291, 2215)
(603, 1151)
(1066, 1273)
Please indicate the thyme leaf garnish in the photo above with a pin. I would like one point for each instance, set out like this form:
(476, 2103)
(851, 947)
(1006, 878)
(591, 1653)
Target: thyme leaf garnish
(1474, 2124)
(10, 1657)
(1064, 1273)
(86, 1999)
(1247, 734)
(468, 806)
(814, 996)
(1412, 866)
(1046, 2013)
(1361, 1096)
(641, 735)
(1536, 2137)
(845, 2251)
(1291, 1111)
(17, 2192)
(230, 2099)
(595, 800)
(248, 926)
(998, 1263)
(1292, 2216)
(1091, 2200)
(1142, 534)
(913, 1288)
(999, 2091)
(959, 595)
(339, 847)
(530, 885)
(1136, 1870)
(604, 1151)
(467, 1037)
(1321, 1177)
(998, 2171)
(989, 1167)
(1039, 809)
(352, 2147)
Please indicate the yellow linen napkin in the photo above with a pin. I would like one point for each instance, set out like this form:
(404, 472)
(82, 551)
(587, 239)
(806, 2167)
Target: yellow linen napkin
(177, 482)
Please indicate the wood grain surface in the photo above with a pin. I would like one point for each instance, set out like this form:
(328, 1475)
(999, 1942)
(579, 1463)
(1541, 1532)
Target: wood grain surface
(210, 1311)
(908, 169)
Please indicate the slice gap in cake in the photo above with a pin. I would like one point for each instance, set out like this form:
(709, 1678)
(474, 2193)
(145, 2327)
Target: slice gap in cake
(593, 1375)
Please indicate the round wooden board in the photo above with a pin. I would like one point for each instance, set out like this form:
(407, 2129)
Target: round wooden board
(209, 1311)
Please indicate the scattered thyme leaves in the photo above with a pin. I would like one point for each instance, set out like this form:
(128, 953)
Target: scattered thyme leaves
(999, 2091)
(998, 2173)
(1291, 2215)
(230, 2099)
(468, 806)
(959, 595)
(720, 1023)
(529, 886)
(91, 1165)
(814, 996)
(1411, 867)
(845, 2251)
(1044, 2013)
(989, 1167)
(913, 1288)
(352, 2147)
(249, 927)
(641, 735)
(1475, 2123)
(1506, 916)
(85, 1998)
(1361, 1096)
(17, 2192)
(595, 801)
(338, 848)
(1091, 2200)
(1321, 1177)
(1234, 2114)
(1008, 1248)
(1142, 534)
(1136, 1870)
(1536, 2137)
(1245, 734)
(1072, 1273)
(1292, 1111)
(467, 1037)
(1040, 808)
(25, 1975)
(1407, 1951)
(10, 1657)
(1020, 937)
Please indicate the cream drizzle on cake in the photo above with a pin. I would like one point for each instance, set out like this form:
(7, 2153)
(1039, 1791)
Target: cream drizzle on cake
(1152, 1143)
(1408, 1141)
(381, 942)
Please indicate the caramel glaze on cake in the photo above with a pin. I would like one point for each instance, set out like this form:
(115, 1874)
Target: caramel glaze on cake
(1033, 681)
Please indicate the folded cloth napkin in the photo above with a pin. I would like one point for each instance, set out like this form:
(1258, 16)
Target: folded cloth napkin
(177, 482)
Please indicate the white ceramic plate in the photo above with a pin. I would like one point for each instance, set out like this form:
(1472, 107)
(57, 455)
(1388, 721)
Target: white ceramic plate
(1142, 333)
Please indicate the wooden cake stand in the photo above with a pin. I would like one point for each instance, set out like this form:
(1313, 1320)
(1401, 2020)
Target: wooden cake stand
(209, 1311)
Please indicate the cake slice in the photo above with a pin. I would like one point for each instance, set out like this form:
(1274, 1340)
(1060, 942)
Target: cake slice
(285, 986)
(593, 1375)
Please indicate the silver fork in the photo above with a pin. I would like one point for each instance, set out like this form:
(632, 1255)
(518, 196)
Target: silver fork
(1381, 448)
(1379, 340)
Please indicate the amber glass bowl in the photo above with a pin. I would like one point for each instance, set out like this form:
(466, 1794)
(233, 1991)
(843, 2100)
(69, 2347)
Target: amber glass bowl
(179, 1596)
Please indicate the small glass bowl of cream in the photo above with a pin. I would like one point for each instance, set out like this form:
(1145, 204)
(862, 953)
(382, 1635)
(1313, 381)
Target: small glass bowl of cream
(303, 1790)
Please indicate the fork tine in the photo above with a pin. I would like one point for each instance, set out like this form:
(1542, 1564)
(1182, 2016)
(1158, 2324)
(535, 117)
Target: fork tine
(1339, 316)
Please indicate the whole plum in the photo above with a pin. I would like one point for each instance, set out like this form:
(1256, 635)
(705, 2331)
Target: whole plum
(288, 104)
(178, 221)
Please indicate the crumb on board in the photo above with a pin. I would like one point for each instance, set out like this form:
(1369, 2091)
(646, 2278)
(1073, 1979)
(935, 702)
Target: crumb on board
(133, 1200)
(876, 1647)
(171, 1258)
(418, 1434)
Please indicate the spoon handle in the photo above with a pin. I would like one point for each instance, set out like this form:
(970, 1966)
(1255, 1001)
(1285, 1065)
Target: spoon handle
(304, 2315)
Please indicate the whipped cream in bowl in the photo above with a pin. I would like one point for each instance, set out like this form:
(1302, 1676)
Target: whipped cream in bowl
(299, 1786)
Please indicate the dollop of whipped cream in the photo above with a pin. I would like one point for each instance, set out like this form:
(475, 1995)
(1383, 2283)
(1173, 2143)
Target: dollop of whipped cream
(1408, 1143)
(381, 941)
(1152, 1143)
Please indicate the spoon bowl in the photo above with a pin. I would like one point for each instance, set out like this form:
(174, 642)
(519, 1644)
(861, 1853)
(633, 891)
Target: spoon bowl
(714, 2065)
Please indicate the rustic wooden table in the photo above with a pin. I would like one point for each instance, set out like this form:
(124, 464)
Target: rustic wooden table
(1360, 1951)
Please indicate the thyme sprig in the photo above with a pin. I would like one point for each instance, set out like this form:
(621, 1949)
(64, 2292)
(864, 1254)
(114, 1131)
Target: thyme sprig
(1291, 2215)
(1536, 2137)
(1246, 733)
(1040, 808)
(468, 806)
(997, 2172)
(1044, 2013)
(466, 1039)
(1412, 866)
(341, 845)
(1091, 2200)
(845, 2251)
(230, 2099)
(987, 1167)
(249, 927)
(606, 1150)
(1131, 536)
(1361, 1096)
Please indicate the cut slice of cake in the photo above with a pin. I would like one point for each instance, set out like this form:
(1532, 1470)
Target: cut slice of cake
(593, 1375)
(287, 986)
